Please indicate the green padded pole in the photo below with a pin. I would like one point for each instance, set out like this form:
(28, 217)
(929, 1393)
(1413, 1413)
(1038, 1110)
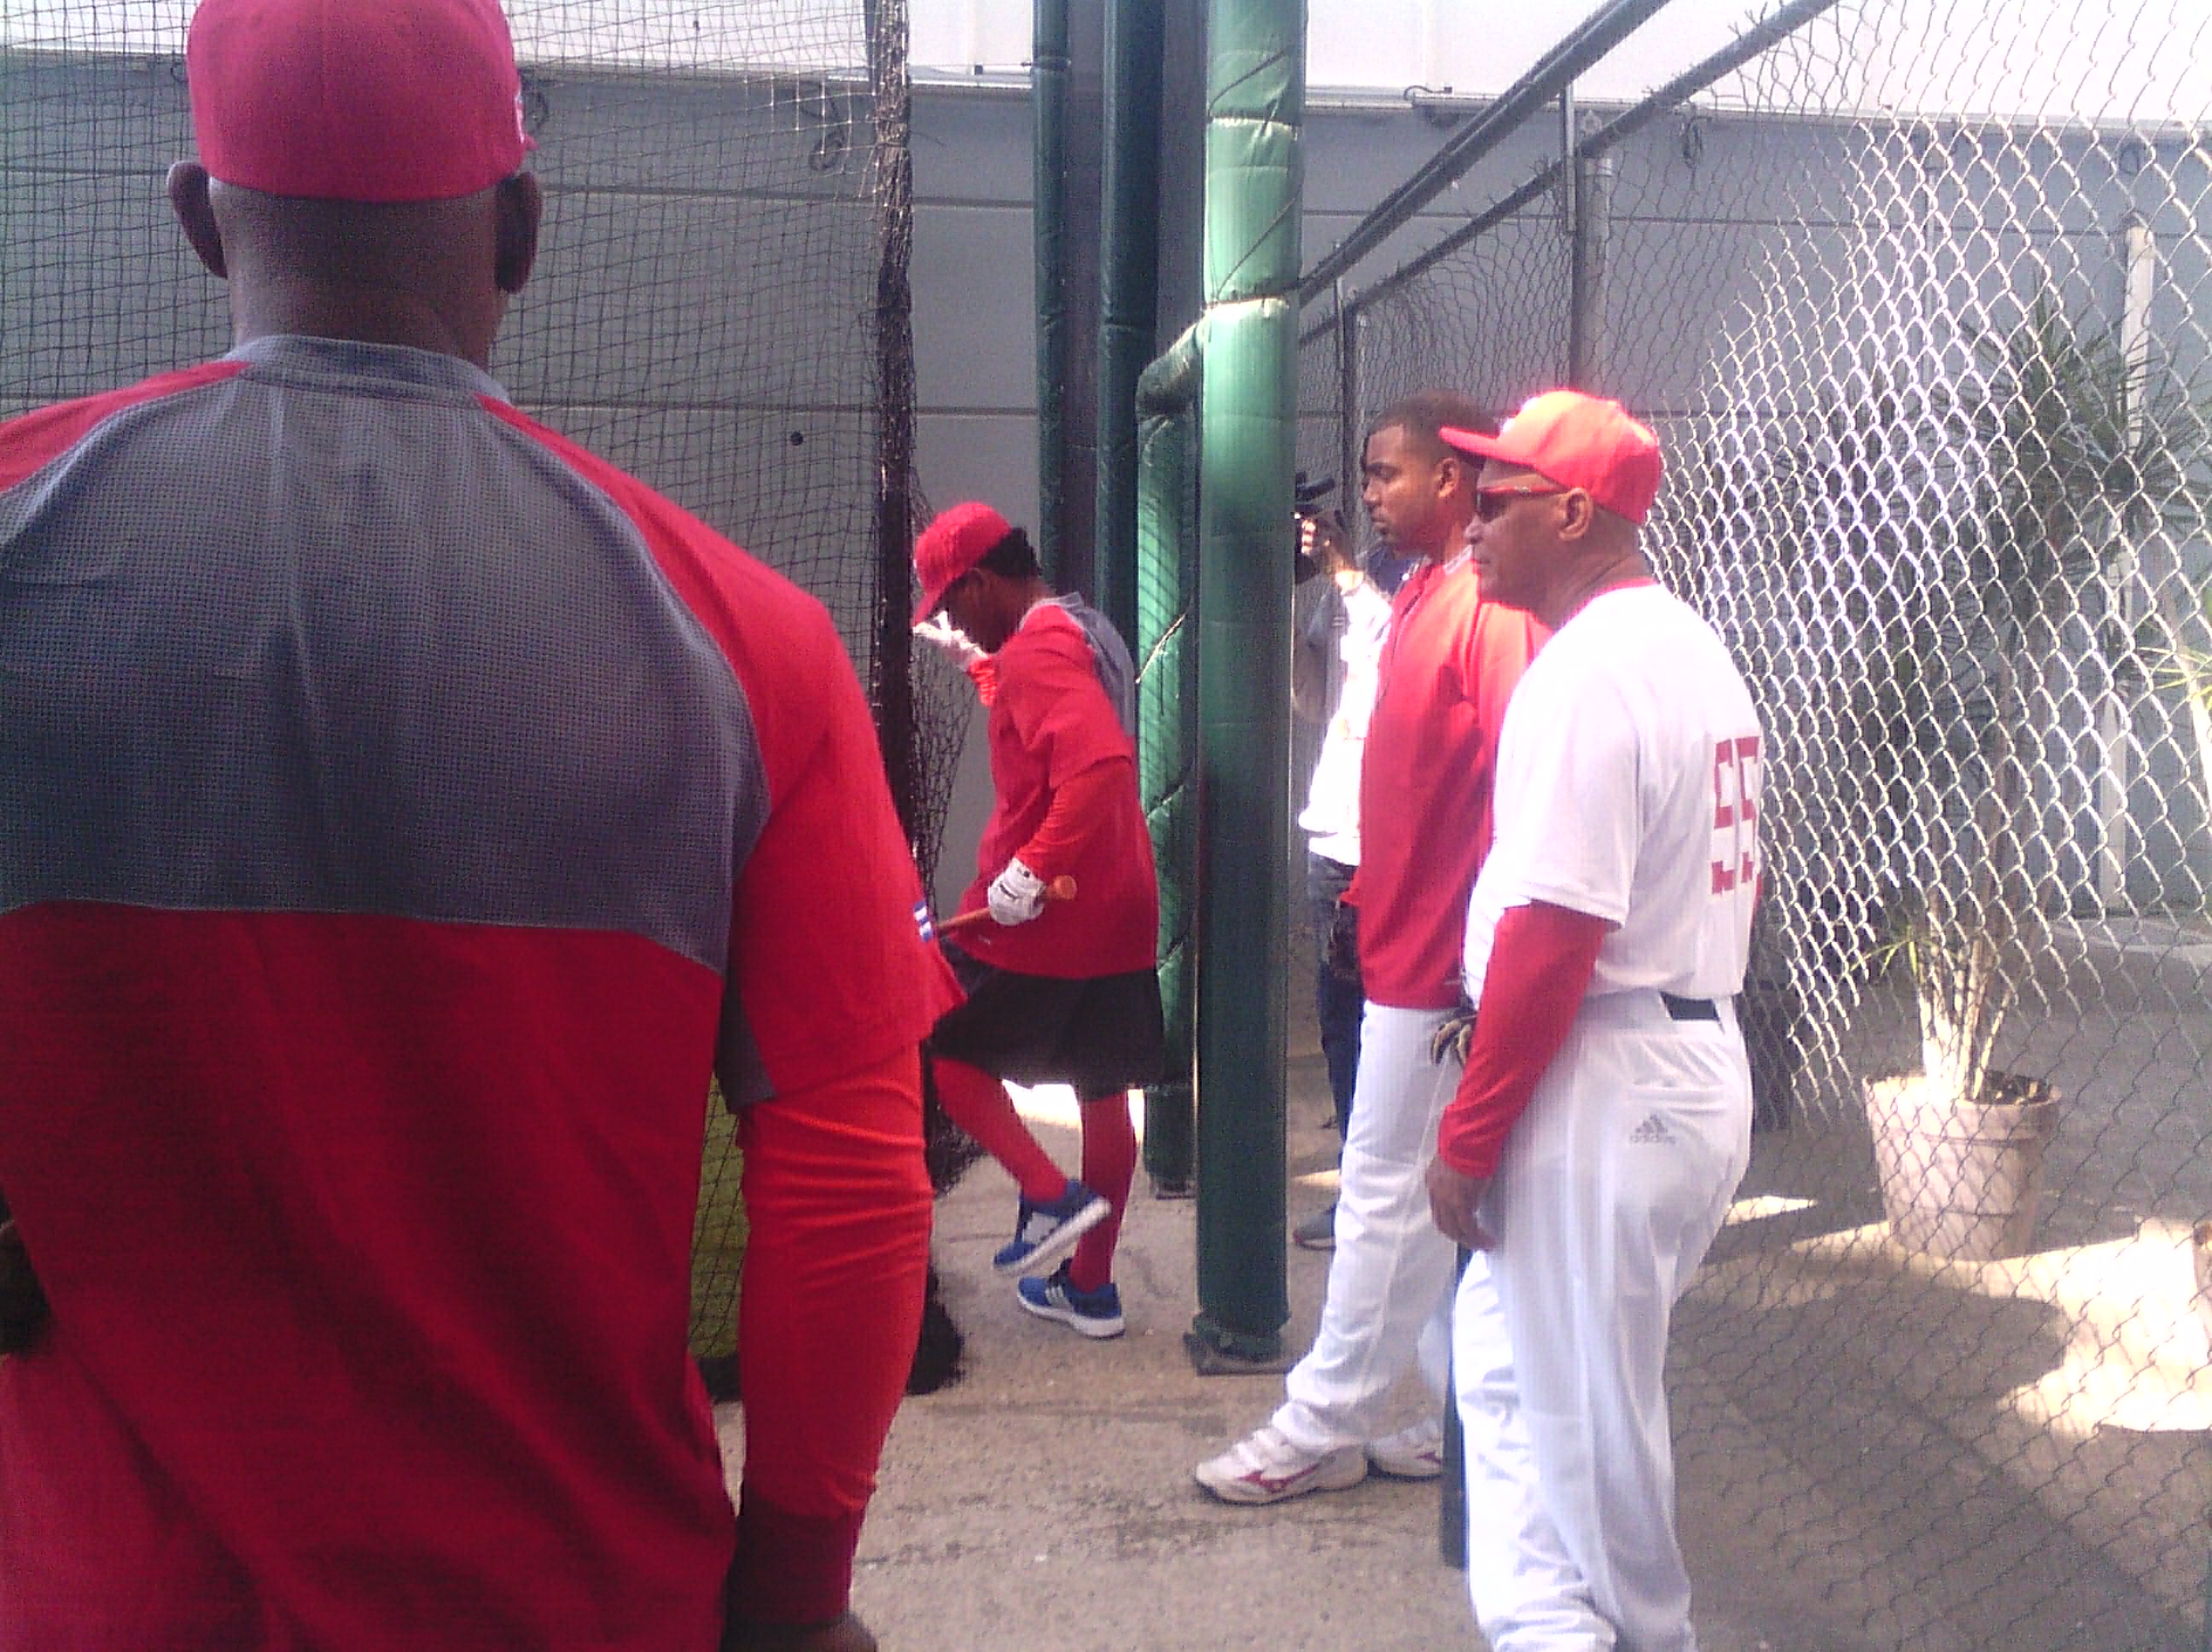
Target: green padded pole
(1256, 88)
(1048, 98)
(1166, 405)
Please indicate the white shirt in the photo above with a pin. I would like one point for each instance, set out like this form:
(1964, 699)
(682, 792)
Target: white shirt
(1629, 774)
(1332, 812)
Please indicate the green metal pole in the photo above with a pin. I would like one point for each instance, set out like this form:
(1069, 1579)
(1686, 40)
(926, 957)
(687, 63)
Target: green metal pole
(1049, 95)
(1129, 289)
(1255, 99)
(1167, 733)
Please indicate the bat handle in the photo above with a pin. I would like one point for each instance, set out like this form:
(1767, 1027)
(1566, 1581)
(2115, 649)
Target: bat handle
(1061, 888)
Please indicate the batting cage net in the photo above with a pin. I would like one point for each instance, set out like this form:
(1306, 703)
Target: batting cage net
(1920, 307)
(720, 307)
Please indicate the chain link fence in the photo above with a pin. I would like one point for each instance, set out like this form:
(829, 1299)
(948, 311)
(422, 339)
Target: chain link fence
(1920, 302)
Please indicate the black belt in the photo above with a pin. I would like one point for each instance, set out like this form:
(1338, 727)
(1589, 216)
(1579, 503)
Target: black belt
(1690, 1009)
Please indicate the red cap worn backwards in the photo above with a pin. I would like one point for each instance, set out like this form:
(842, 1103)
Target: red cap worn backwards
(1577, 441)
(958, 539)
(356, 100)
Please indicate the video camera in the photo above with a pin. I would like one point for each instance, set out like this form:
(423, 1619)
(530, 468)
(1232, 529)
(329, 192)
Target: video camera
(1314, 525)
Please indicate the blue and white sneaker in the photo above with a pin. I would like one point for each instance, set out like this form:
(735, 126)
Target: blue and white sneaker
(1045, 1233)
(1094, 1312)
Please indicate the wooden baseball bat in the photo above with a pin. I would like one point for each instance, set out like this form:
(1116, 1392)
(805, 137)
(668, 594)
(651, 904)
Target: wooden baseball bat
(1061, 888)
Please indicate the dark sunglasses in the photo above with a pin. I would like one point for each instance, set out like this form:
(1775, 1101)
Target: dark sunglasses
(1490, 503)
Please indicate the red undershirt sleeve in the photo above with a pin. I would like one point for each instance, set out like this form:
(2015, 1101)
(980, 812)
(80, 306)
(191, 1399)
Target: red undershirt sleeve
(1080, 805)
(839, 1205)
(1540, 963)
(983, 673)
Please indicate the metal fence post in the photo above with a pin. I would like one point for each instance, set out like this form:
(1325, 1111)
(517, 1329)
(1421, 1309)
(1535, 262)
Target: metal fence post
(1590, 203)
(1347, 409)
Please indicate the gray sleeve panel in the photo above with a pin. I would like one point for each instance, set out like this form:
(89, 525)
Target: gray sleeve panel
(328, 637)
(1117, 673)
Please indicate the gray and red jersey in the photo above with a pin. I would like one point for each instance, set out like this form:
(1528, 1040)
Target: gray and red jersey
(401, 810)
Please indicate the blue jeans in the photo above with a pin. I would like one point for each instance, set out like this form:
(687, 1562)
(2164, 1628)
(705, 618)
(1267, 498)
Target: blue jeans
(1337, 995)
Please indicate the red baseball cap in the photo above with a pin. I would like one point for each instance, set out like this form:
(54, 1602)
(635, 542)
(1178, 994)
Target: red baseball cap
(958, 539)
(1577, 441)
(356, 100)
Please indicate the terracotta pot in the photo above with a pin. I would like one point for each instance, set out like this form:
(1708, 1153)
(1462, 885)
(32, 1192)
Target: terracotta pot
(1961, 1181)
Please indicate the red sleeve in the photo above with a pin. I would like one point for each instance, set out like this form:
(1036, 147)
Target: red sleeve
(1082, 806)
(1540, 965)
(826, 953)
(1050, 686)
(838, 1205)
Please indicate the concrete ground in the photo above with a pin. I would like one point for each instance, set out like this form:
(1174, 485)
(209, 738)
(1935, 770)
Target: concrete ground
(1045, 1502)
(1871, 1457)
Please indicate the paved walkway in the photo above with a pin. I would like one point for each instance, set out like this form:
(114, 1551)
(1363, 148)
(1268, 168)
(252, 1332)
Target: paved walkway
(1045, 1503)
(1869, 1458)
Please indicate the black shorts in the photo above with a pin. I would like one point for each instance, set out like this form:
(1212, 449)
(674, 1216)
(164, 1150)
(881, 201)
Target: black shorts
(1102, 1035)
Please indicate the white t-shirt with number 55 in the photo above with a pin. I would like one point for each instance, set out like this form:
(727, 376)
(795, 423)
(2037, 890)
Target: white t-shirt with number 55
(1628, 783)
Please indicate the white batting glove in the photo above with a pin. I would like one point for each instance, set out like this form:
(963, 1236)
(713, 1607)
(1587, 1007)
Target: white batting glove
(950, 637)
(1017, 894)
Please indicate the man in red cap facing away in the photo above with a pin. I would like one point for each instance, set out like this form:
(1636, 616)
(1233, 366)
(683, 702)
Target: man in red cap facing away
(407, 812)
(1057, 991)
(1603, 1118)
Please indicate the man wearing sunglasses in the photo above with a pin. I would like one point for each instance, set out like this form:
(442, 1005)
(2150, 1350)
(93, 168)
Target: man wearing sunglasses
(1604, 1116)
(1449, 662)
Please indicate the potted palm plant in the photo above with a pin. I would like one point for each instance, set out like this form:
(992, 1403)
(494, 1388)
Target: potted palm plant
(1958, 1141)
(1971, 526)
(2073, 449)
(1892, 510)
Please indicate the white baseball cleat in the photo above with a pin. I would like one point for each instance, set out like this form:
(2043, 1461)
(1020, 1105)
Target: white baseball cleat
(1265, 1468)
(1415, 1452)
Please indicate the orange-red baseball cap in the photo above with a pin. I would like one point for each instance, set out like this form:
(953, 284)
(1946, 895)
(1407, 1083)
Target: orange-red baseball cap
(356, 100)
(1577, 441)
(958, 539)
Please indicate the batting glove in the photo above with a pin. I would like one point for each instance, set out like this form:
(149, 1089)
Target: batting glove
(1017, 894)
(1450, 1043)
(950, 637)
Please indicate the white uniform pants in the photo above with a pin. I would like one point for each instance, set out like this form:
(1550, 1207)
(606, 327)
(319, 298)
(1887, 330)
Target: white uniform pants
(1389, 1279)
(1611, 1187)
